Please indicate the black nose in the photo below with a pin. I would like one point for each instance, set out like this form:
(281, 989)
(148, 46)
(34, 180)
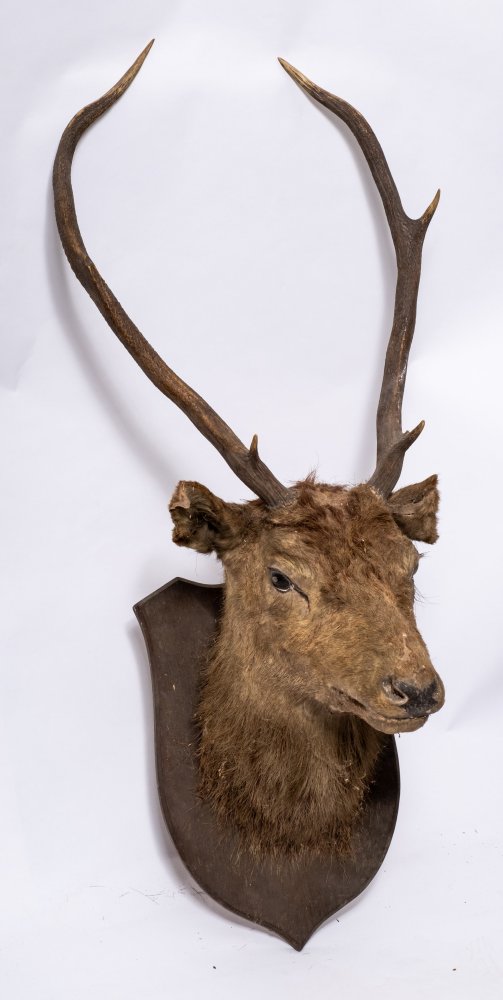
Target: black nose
(418, 701)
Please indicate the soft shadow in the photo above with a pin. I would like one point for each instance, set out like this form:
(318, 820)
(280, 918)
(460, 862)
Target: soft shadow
(124, 420)
(365, 457)
(473, 706)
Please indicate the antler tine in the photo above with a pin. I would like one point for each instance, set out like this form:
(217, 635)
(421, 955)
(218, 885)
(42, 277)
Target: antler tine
(408, 235)
(243, 461)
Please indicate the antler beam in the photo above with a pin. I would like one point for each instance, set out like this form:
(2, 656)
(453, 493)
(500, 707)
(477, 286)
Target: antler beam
(243, 461)
(408, 236)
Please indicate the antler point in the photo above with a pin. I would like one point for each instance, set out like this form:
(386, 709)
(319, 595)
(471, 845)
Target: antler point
(143, 55)
(296, 74)
(411, 436)
(430, 211)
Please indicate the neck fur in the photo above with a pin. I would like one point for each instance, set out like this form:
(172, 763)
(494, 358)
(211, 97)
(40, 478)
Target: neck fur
(289, 777)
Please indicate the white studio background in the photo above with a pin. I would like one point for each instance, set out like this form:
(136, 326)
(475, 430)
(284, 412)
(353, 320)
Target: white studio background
(238, 224)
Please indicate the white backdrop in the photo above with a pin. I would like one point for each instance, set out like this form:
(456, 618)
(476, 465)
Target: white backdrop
(238, 225)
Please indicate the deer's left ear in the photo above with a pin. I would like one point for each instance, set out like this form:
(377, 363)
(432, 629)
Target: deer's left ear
(203, 521)
(415, 510)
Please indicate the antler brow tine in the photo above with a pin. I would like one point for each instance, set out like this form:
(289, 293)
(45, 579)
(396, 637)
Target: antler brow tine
(408, 236)
(245, 462)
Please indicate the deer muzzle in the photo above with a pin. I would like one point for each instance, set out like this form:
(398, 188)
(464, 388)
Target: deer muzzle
(396, 694)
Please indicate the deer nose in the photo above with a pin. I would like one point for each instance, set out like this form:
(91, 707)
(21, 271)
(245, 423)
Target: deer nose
(419, 701)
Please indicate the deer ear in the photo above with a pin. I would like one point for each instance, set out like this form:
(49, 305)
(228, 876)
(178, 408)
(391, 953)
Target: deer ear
(202, 521)
(415, 510)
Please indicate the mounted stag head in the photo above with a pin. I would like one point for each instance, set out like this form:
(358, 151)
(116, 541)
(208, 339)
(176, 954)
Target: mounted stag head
(318, 652)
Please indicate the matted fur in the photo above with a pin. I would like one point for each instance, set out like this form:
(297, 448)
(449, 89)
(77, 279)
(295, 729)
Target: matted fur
(288, 781)
(301, 685)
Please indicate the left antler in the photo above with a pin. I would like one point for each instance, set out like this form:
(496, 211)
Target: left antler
(245, 462)
(408, 235)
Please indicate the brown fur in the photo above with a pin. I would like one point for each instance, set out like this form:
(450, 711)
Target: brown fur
(301, 684)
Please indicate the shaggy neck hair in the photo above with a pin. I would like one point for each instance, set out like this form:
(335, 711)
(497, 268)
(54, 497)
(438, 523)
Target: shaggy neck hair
(290, 777)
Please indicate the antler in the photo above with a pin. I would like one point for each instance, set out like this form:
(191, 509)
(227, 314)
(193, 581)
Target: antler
(243, 461)
(408, 235)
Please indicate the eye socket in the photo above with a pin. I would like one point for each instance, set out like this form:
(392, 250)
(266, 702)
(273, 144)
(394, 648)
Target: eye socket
(280, 581)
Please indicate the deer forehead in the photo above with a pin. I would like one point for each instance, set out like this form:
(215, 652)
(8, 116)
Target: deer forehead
(331, 531)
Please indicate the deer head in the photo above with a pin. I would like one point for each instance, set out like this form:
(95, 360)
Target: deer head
(318, 621)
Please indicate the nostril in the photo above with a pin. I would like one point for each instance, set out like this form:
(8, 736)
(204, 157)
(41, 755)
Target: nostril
(394, 693)
(419, 701)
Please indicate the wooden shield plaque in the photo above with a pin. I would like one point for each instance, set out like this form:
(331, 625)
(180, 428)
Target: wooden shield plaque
(179, 622)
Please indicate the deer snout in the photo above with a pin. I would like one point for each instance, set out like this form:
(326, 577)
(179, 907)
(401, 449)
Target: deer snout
(417, 701)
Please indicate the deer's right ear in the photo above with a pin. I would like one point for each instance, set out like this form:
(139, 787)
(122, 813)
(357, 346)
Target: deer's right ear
(203, 521)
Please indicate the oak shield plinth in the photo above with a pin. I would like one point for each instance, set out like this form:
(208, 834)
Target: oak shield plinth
(292, 898)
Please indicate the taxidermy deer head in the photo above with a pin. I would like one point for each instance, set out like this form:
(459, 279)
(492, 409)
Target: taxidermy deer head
(318, 653)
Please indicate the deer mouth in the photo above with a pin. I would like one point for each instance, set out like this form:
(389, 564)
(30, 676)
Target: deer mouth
(341, 702)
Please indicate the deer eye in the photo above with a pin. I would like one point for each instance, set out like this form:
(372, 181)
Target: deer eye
(280, 581)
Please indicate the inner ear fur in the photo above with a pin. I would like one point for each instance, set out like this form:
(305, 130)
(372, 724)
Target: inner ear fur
(203, 521)
(415, 510)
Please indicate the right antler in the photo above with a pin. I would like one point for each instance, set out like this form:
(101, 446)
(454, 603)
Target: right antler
(408, 235)
(245, 462)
